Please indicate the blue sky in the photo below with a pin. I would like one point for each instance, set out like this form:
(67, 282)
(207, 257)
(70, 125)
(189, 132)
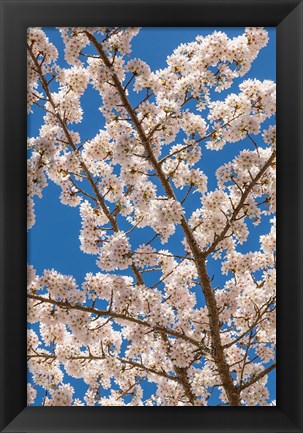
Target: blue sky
(53, 242)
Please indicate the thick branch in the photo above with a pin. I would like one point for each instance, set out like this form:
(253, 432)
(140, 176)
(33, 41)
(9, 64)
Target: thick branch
(214, 324)
(223, 368)
(144, 139)
(181, 375)
(120, 316)
(183, 380)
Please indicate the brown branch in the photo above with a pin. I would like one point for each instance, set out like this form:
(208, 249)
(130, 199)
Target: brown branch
(250, 341)
(259, 376)
(106, 313)
(62, 123)
(81, 190)
(122, 360)
(214, 325)
(124, 393)
(238, 208)
(197, 141)
(223, 368)
(256, 322)
(137, 274)
(70, 140)
(181, 375)
(148, 369)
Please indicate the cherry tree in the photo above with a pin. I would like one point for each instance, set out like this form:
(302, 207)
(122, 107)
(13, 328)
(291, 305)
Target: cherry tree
(154, 314)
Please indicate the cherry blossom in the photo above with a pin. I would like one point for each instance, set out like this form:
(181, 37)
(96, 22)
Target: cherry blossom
(153, 313)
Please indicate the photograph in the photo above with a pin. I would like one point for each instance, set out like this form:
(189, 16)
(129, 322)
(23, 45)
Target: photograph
(151, 216)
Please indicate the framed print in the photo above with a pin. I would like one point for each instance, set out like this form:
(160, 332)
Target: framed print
(150, 254)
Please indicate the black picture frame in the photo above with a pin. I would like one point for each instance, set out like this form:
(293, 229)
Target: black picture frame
(16, 17)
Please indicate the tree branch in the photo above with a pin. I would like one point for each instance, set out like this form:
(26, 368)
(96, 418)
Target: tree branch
(120, 316)
(223, 368)
(238, 208)
(259, 376)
